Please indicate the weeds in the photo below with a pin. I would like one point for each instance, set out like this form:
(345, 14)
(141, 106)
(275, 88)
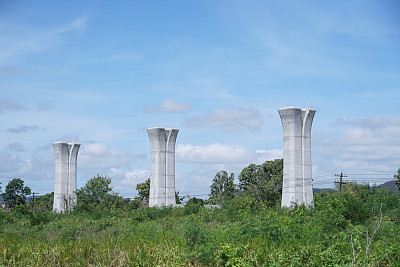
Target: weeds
(332, 233)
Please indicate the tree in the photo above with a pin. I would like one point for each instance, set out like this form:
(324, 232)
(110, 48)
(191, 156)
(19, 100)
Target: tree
(15, 193)
(96, 188)
(143, 189)
(44, 203)
(397, 177)
(144, 192)
(263, 182)
(97, 193)
(222, 187)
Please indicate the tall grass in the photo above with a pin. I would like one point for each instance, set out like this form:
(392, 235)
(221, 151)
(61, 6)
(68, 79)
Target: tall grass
(332, 233)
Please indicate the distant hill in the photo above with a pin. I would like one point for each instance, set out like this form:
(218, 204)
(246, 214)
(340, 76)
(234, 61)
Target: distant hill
(391, 185)
(318, 190)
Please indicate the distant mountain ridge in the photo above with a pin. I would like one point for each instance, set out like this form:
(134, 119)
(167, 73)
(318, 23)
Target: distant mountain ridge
(390, 185)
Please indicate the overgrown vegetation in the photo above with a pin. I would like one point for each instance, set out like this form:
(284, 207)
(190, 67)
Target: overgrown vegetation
(361, 228)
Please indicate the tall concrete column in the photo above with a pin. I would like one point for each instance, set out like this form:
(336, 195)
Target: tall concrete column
(65, 175)
(158, 166)
(297, 181)
(73, 149)
(61, 177)
(292, 154)
(307, 118)
(162, 180)
(171, 135)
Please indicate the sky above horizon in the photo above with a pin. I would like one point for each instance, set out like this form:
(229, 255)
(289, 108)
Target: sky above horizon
(100, 73)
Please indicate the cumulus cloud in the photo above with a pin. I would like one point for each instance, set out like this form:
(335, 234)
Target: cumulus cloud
(168, 106)
(12, 164)
(224, 154)
(266, 155)
(9, 104)
(39, 166)
(134, 177)
(23, 129)
(214, 153)
(370, 145)
(229, 120)
(124, 182)
(16, 147)
(373, 122)
(98, 157)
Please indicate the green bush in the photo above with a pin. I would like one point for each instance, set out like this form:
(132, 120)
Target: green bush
(244, 232)
(40, 218)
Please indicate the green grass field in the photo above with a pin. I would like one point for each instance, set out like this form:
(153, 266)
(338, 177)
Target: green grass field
(359, 229)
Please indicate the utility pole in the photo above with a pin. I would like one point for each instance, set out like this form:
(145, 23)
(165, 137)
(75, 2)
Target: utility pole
(341, 175)
(33, 200)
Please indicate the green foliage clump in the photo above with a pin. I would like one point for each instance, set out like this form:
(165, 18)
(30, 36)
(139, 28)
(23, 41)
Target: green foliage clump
(263, 182)
(15, 193)
(222, 187)
(97, 194)
(397, 177)
(144, 190)
(360, 228)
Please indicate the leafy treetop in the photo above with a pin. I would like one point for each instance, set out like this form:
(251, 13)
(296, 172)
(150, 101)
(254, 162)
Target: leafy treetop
(97, 188)
(144, 189)
(222, 187)
(397, 177)
(15, 193)
(263, 182)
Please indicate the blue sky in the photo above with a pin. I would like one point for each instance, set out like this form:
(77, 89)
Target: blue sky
(101, 72)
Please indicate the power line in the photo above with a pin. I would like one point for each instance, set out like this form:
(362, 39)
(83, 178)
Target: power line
(371, 174)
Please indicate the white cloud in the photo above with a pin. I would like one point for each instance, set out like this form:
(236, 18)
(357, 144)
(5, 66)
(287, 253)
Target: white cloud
(371, 145)
(16, 147)
(98, 157)
(373, 122)
(124, 182)
(224, 154)
(24, 129)
(9, 104)
(32, 40)
(229, 120)
(214, 153)
(264, 155)
(78, 25)
(168, 106)
(136, 176)
(38, 166)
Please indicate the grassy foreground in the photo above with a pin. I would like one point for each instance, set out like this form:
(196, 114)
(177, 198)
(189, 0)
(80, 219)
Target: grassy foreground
(359, 229)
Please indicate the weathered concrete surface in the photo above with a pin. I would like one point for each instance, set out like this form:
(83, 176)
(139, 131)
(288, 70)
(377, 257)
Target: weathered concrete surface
(307, 117)
(158, 160)
(171, 135)
(162, 180)
(65, 175)
(297, 181)
(73, 149)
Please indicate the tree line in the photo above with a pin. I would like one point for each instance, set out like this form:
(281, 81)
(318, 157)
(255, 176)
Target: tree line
(259, 184)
